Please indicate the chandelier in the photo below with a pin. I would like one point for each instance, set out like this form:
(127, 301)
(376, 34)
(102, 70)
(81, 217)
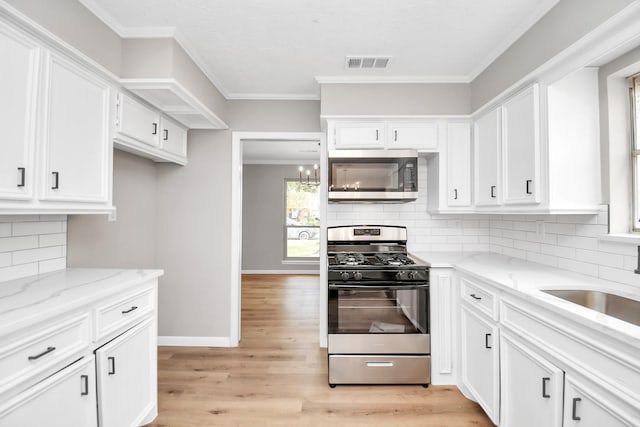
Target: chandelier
(308, 182)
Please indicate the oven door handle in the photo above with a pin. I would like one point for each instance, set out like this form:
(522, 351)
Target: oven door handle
(379, 286)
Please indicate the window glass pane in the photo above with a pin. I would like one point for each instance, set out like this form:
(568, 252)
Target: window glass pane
(302, 220)
(636, 91)
(636, 192)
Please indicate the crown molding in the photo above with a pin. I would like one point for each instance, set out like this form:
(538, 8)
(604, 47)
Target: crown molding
(391, 79)
(273, 97)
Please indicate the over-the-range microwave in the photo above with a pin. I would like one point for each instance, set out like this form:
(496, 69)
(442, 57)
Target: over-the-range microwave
(387, 176)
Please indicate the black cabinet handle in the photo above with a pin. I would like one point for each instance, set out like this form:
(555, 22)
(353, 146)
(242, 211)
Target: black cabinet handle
(474, 296)
(56, 180)
(38, 356)
(21, 178)
(544, 387)
(528, 184)
(455, 194)
(84, 383)
(134, 307)
(166, 134)
(493, 191)
(486, 340)
(574, 409)
(112, 365)
(395, 135)
(155, 129)
(377, 134)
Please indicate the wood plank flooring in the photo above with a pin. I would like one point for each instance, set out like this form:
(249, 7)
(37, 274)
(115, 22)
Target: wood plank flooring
(278, 374)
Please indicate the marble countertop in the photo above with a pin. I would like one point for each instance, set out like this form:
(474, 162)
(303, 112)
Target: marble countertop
(29, 299)
(528, 279)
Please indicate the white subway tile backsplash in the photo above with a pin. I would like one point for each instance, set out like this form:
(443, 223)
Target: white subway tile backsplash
(578, 266)
(542, 259)
(600, 258)
(578, 242)
(35, 244)
(617, 248)
(558, 251)
(587, 230)
(527, 246)
(5, 229)
(619, 275)
(555, 228)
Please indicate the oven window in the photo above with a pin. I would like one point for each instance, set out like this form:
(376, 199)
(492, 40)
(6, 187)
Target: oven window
(378, 311)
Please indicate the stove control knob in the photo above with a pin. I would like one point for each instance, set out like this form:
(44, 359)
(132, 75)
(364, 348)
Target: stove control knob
(357, 275)
(400, 275)
(413, 275)
(344, 275)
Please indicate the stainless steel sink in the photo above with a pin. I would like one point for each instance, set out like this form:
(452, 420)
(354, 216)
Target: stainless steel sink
(612, 305)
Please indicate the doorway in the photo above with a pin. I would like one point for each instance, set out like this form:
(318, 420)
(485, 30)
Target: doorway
(240, 141)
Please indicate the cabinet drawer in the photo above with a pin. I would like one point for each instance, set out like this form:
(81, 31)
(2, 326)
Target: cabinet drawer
(379, 369)
(479, 297)
(37, 351)
(118, 314)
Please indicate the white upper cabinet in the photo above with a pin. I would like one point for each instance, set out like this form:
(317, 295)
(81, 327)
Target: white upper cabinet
(521, 147)
(359, 134)
(137, 121)
(75, 134)
(419, 136)
(458, 164)
(488, 136)
(18, 86)
(142, 130)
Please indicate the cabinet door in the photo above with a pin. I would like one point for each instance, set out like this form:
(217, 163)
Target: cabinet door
(583, 407)
(487, 158)
(359, 134)
(531, 387)
(18, 86)
(418, 136)
(137, 121)
(521, 147)
(458, 164)
(65, 399)
(126, 370)
(75, 133)
(480, 360)
(442, 326)
(174, 138)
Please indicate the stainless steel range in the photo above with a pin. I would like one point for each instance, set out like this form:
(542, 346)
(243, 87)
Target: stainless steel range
(378, 308)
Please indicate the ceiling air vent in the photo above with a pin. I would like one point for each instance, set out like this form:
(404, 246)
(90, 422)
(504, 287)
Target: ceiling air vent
(360, 62)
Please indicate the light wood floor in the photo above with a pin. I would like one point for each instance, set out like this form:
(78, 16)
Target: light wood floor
(278, 374)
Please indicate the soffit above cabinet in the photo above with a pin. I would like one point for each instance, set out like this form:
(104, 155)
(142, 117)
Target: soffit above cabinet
(169, 96)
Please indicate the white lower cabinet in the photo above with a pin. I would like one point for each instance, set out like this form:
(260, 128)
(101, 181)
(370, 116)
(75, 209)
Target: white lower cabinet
(65, 399)
(583, 407)
(480, 360)
(531, 387)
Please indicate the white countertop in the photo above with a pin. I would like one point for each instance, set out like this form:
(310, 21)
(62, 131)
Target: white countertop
(22, 301)
(528, 279)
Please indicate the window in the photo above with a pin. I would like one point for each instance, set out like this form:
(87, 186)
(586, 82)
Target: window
(635, 152)
(302, 221)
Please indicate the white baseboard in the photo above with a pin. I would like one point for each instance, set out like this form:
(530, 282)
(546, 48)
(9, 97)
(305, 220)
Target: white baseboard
(280, 271)
(194, 341)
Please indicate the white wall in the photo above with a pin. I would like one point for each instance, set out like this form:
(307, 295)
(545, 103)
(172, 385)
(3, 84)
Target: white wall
(32, 244)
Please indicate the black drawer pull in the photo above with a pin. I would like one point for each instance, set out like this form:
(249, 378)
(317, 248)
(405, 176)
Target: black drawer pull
(56, 180)
(395, 135)
(544, 387)
(377, 134)
(474, 296)
(112, 365)
(486, 340)
(21, 179)
(166, 135)
(574, 409)
(528, 184)
(84, 380)
(155, 129)
(493, 191)
(455, 194)
(135, 307)
(38, 356)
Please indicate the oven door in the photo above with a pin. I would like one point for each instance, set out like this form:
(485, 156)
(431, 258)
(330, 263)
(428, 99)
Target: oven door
(398, 309)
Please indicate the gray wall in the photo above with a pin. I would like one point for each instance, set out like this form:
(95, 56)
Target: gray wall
(130, 241)
(567, 22)
(263, 217)
(274, 116)
(395, 99)
(72, 22)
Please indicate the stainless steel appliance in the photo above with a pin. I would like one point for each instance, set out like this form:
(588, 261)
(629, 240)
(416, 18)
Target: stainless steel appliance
(378, 308)
(373, 175)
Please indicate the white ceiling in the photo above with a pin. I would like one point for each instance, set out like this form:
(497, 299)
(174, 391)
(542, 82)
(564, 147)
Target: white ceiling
(279, 49)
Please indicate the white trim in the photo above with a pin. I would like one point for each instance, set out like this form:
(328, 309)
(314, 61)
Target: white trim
(397, 117)
(278, 162)
(194, 341)
(630, 239)
(309, 272)
(236, 223)
(274, 96)
(326, 80)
